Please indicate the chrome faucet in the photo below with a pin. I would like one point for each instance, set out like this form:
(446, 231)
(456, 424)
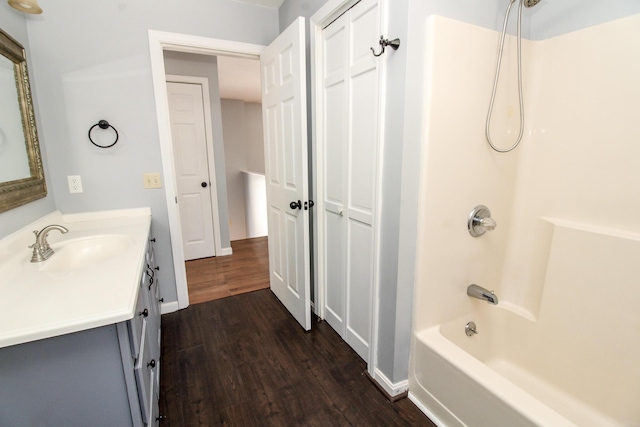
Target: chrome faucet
(41, 249)
(479, 292)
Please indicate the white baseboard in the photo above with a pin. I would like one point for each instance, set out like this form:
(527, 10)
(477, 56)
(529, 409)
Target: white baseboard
(169, 307)
(225, 252)
(390, 388)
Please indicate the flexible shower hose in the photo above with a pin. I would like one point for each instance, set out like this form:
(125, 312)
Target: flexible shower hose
(495, 83)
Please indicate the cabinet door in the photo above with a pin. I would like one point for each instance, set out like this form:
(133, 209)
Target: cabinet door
(144, 371)
(135, 324)
(154, 320)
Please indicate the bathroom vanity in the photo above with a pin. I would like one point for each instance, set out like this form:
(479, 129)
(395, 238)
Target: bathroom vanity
(80, 332)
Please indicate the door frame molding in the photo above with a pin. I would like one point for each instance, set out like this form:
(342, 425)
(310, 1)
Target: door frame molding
(159, 41)
(321, 19)
(208, 127)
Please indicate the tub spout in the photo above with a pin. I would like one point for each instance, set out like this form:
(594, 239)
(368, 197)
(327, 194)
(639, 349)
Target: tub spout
(479, 292)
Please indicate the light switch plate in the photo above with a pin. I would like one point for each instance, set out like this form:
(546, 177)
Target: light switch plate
(75, 183)
(152, 180)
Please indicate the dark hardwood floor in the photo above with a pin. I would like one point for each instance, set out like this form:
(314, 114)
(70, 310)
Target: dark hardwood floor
(246, 270)
(244, 361)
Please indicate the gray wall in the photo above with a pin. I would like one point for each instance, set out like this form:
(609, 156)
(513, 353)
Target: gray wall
(188, 64)
(14, 23)
(551, 18)
(91, 62)
(291, 9)
(255, 137)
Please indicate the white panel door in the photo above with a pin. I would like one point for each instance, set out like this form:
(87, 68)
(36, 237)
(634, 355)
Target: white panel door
(350, 153)
(192, 169)
(284, 106)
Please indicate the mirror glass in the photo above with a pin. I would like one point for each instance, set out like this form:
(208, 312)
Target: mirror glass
(14, 163)
(21, 172)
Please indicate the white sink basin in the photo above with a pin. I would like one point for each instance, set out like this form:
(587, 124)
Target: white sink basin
(78, 253)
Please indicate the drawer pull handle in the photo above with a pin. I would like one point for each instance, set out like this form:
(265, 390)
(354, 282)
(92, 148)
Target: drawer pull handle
(144, 313)
(152, 364)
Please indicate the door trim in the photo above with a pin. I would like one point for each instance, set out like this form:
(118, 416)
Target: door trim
(208, 127)
(159, 41)
(322, 18)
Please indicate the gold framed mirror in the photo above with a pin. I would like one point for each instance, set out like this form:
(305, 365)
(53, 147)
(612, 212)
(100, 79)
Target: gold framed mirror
(21, 172)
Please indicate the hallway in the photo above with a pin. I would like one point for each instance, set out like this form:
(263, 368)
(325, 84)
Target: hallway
(246, 270)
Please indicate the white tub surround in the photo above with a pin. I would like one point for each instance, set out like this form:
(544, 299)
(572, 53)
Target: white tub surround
(46, 299)
(561, 347)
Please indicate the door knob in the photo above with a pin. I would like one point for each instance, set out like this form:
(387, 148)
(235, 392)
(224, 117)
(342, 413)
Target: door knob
(295, 205)
(204, 184)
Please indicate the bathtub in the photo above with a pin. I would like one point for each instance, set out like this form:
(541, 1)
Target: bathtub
(502, 377)
(573, 363)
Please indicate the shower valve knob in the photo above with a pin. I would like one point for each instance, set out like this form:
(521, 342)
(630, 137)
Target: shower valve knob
(488, 223)
(480, 221)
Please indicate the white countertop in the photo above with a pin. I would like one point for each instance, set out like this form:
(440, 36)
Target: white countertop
(36, 303)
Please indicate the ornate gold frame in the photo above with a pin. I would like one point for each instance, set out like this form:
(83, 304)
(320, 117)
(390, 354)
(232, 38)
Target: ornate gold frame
(21, 191)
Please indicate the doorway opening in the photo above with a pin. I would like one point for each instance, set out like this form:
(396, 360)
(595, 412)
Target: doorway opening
(217, 138)
(161, 43)
(285, 140)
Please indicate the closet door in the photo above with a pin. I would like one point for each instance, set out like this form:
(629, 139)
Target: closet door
(350, 150)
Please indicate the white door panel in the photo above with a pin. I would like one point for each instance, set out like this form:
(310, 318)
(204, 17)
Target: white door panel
(335, 269)
(336, 114)
(359, 288)
(192, 168)
(363, 140)
(285, 135)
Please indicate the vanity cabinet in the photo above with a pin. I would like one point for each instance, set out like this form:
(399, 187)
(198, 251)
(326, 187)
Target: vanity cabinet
(104, 376)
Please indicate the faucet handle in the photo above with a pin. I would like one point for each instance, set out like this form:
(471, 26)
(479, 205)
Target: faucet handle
(480, 221)
(488, 223)
(36, 242)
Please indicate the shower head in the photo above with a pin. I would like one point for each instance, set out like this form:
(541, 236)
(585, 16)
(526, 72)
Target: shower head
(531, 3)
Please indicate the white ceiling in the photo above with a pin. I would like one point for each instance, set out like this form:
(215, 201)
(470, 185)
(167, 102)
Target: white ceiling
(239, 78)
(268, 3)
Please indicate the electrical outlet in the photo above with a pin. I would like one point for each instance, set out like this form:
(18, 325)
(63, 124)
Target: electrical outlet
(152, 180)
(75, 183)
